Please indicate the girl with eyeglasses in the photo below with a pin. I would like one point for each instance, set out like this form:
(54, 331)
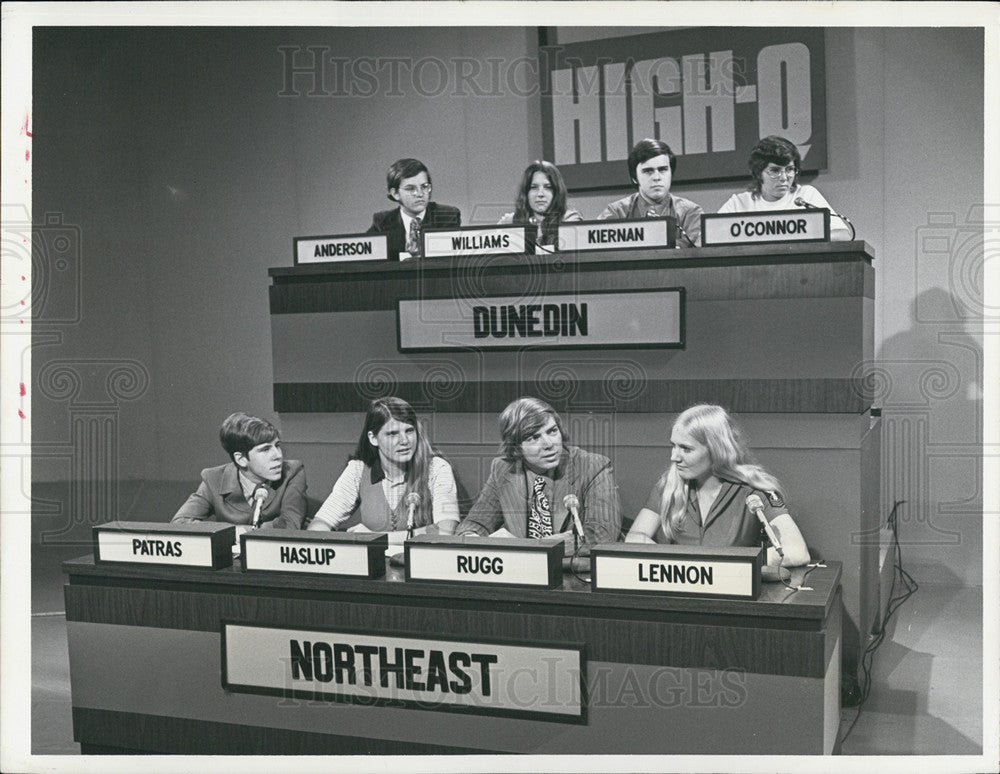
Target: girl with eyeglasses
(774, 165)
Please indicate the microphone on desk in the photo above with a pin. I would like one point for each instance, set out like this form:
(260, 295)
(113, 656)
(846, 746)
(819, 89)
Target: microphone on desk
(259, 496)
(756, 506)
(683, 233)
(572, 504)
(412, 502)
(800, 202)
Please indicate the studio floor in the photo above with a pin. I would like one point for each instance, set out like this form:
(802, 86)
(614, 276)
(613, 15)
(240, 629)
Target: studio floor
(925, 698)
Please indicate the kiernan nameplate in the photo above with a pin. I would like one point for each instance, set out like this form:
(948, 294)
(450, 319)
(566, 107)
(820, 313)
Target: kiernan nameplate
(639, 318)
(617, 234)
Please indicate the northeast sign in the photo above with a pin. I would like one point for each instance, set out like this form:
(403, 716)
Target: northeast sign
(709, 93)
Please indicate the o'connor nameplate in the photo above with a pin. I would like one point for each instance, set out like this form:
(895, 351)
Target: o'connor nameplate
(344, 247)
(521, 680)
(315, 553)
(485, 561)
(198, 544)
(617, 234)
(640, 318)
(474, 240)
(673, 569)
(755, 228)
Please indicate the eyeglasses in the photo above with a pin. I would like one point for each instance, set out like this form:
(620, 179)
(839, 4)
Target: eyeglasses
(774, 173)
(413, 190)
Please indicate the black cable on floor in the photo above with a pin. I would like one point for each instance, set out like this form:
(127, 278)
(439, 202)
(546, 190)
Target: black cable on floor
(909, 587)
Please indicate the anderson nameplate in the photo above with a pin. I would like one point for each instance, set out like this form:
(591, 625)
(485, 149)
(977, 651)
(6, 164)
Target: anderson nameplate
(485, 561)
(315, 553)
(672, 569)
(343, 247)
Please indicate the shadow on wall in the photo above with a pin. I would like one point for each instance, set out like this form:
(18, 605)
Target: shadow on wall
(928, 379)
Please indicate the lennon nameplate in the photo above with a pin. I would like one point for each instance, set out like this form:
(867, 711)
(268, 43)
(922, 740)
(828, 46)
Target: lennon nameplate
(353, 554)
(485, 561)
(674, 569)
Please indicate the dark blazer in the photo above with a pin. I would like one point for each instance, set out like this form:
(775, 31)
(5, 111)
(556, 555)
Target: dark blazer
(220, 496)
(390, 223)
(503, 501)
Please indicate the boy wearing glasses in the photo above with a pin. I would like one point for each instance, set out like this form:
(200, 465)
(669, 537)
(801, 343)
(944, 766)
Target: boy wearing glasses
(409, 183)
(774, 166)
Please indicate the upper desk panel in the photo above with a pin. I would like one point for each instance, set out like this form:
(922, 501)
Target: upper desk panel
(777, 329)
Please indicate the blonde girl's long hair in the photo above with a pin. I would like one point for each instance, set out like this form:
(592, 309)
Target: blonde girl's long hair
(728, 454)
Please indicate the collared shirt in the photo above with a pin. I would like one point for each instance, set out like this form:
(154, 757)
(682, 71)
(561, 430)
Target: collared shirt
(343, 500)
(687, 213)
(407, 219)
(247, 486)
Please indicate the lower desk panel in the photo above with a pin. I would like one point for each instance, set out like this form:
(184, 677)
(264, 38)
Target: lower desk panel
(170, 700)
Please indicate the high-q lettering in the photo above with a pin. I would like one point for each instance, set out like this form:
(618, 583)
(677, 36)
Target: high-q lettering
(142, 547)
(411, 669)
(675, 573)
(530, 321)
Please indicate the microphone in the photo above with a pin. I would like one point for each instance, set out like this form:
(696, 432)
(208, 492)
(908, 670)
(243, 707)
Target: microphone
(412, 502)
(800, 202)
(684, 234)
(756, 506)
(572, 503)
(259, 496)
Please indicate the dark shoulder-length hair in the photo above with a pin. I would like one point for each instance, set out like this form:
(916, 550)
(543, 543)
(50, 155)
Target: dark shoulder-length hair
(381, 411)
(557, 209)
(772, 150)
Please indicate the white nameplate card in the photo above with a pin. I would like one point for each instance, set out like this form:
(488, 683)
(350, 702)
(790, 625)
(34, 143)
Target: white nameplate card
(673, 569)
(476, 240)
(345, 247)
(197, 544)
(755, 228)
(354, 554)
(485, 561)
(494, 678)
(617, 234)
(628, 318)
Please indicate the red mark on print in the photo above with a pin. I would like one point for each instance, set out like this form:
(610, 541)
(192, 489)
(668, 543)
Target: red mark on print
(21, 414)
(23, 390)
(25, 129)
(27, 155)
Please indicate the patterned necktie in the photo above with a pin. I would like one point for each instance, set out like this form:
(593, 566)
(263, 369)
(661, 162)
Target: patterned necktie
(413, 240)
(539, 515)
